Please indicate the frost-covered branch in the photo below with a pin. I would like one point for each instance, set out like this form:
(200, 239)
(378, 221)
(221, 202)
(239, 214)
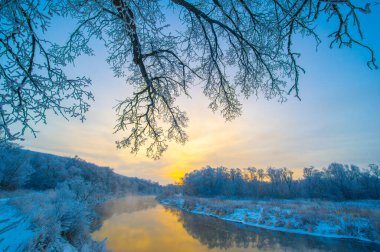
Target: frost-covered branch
(234, 49)
(32, 79)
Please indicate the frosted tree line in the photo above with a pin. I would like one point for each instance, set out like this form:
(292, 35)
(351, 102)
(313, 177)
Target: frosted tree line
(23, 169)
(336, 182)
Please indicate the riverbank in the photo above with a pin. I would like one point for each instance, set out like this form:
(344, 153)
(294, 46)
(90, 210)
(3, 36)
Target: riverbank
(350, 220)
(41, 221)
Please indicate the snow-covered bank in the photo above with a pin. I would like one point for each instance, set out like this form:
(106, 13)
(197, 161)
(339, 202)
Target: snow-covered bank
(15, 231)
(354, 220)
(19, 230)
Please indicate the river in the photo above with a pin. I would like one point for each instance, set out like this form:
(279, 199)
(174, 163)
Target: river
(142, 224)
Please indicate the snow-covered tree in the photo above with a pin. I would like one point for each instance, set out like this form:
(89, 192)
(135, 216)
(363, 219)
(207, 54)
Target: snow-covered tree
(336, 182)
(15, 169)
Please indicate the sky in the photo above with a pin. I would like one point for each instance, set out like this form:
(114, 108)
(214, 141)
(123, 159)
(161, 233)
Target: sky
(337, 120)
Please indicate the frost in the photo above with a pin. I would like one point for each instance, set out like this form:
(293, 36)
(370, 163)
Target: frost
(318, 218)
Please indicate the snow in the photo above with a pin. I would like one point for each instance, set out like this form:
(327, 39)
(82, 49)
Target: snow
(281, 218)
(69, 248)
(15, 231)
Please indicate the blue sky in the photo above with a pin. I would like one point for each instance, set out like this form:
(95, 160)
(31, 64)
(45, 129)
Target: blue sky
(338, 118)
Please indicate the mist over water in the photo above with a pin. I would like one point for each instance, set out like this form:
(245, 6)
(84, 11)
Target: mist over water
(125, 205)
(142, 224)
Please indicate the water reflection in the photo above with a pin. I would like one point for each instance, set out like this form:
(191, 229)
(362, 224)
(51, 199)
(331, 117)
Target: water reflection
(140, 224)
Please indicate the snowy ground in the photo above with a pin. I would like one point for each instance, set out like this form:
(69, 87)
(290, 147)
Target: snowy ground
(357, 220)
(15, 229)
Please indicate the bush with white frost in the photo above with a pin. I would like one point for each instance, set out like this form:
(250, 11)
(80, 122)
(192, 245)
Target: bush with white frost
(58, 218)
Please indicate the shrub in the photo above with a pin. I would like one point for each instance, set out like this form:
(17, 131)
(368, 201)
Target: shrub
(57, 218)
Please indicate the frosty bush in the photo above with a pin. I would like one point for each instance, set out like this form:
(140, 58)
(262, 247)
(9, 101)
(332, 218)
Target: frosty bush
(58, 218)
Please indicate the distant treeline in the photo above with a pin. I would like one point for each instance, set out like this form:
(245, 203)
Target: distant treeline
(336, 182)
(23, 169)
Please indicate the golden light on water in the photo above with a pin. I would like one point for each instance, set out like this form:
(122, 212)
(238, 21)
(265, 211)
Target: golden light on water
(141, 224)
(147, 231)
